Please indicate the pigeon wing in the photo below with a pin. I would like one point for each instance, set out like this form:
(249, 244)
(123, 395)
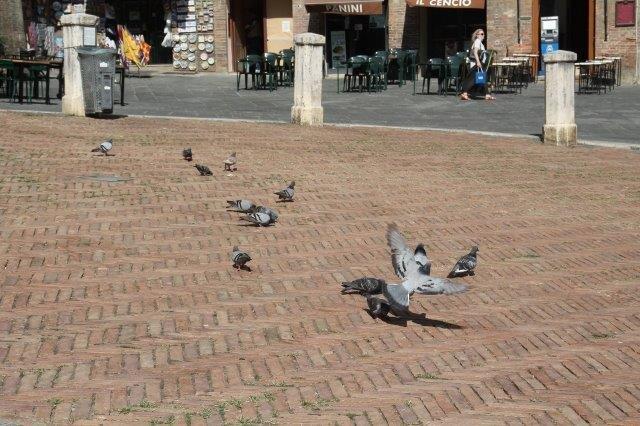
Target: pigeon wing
(401, 256)
(434, 285)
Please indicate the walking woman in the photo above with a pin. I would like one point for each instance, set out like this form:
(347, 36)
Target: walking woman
(476, 54)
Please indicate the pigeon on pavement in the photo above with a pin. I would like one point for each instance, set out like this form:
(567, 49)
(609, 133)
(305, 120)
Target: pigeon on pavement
(241, 206)
(267, 210)
(240, 258)
(402, 256)
(261, 219)
(204, 170)
(416, 276)
(187, 154)
(287, 193)
(230, 162)
(378, 308)
(466, 264)
(104, 147)
(363, 286)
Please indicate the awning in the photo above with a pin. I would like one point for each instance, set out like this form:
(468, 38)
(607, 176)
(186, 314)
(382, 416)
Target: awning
(345, 7)
(448, 4)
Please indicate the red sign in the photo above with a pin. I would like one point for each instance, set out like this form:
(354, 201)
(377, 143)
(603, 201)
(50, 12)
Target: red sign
(448, 4)
(625, 13)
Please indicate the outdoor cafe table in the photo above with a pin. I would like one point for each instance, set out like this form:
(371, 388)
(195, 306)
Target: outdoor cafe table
(589, 75)
(23, 64)
(508, 68)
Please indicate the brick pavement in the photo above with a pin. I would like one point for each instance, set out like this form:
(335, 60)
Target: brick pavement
(118, 302)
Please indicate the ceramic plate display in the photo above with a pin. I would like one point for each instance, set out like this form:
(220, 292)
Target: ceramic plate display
(184, 55)
(192, 67)
(193, 38)
(201, 46)
(210, 38)
(199, 27)
(183, 38)
(176, 64)
(200, 39)
(176, 56)
(192, 48)
(184, 65)
(204, 56)
(56, 5)
(204, 65)
(58, 15)
(209, 47)
(191, 57)
(176, 48)
(184, 46)
(176, 38)
(211, 61)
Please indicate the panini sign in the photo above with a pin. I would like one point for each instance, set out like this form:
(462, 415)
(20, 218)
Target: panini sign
(345, 8)
(448, 4)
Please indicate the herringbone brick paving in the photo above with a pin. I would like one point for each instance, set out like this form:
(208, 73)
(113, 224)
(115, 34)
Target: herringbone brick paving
(118, 302)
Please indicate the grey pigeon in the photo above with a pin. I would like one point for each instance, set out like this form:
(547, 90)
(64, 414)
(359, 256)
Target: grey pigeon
(271, 212)
(204, 170)
(378, 308)
(287, 193)
(242, 206)
(104, 147)
(364, 286)
(416, 278)
(230, 162)
(402, 256)
(187, 154)
(240, 258)
(260, 219)
(465, 265)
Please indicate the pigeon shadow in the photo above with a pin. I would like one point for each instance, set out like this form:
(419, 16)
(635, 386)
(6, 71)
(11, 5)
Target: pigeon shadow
(419, 319)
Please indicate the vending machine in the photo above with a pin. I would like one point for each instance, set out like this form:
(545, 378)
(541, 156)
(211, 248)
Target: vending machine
(548, 36)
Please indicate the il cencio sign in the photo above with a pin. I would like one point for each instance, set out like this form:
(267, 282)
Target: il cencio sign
(451, 4)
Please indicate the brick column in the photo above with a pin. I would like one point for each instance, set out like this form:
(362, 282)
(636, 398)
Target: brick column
(404, 26)
(220, 34)
(12, 26)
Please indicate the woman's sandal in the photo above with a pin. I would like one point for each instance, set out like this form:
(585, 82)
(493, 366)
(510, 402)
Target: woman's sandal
(489, 98)
(464, 97)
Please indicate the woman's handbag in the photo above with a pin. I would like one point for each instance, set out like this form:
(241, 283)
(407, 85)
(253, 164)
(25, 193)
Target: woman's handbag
(480, 78)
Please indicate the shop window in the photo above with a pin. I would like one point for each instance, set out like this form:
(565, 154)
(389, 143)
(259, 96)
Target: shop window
(625, 13)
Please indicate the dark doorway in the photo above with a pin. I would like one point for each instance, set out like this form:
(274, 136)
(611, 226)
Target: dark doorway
(146, 17)
(573, 24)
(246, 28)
(449, 30)
(363, 34)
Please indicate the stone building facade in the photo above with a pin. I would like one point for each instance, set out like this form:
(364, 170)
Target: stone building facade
(433, 27)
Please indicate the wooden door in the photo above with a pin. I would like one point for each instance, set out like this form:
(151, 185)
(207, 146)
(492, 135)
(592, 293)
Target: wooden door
(236, 32)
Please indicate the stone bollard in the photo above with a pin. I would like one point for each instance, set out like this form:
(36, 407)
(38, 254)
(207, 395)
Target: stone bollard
(307, 88)
(78, 29)
(560, 115)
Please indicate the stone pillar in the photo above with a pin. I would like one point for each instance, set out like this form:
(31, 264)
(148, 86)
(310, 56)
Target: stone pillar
(560, 116)
(78, 29)
(307, 88)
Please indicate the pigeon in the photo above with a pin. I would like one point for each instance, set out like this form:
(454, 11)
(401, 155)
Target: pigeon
(401, 255)
(261, 219)
(240, 258)
(242, 206)
(287, 193)
(364, 286)
(267, 210)
(204, 170)
(378, 308)
(104, 147)
(230, 162)
(465, 265)
(416, 276)
(187, 154)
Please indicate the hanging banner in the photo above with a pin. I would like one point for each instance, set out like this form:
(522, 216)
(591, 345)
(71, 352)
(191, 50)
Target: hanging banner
(338, 48)
(448, 4)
